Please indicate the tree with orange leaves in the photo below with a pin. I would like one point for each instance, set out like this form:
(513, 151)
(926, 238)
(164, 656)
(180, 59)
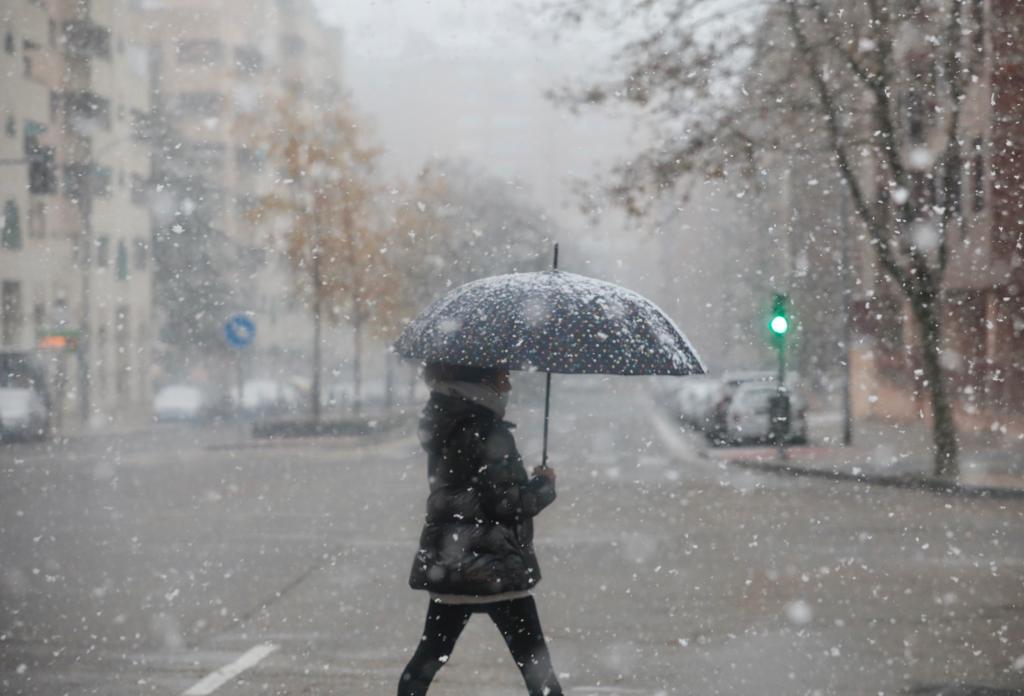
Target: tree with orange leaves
(324, 204)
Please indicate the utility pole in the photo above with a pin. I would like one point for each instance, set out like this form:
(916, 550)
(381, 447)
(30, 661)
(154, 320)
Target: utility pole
(84, 205)
(844, 247)
(84, 202)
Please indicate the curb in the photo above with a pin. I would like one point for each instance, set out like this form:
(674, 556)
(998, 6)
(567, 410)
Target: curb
(264, 430)
(923, 483)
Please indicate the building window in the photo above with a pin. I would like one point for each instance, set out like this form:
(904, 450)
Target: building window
(84, 39)
(9, 43)
(86, 110)
(37, 220)
(10, 304)
(102, 181)
(248, 61)
(141, 252)
(200, 51)
(11, 126)
(204, 104)
(100, 365)
(122, 260)
(122, 344)
(39, 317)
(207, 156)
(249, 160)
(292, 45)
(139, 190)
(11, 238)
(42, 161)
(102, 251)
(42, 170)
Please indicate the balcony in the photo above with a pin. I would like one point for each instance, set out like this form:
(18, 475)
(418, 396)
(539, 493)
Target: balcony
(85, 111)
(88, 181)
(83, 38)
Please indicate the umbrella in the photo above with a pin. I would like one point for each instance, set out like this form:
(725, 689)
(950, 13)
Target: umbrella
(549, 321)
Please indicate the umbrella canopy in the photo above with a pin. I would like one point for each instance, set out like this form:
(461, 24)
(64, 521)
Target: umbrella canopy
(549, 321)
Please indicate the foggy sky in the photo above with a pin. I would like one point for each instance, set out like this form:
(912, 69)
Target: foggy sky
(464, 79)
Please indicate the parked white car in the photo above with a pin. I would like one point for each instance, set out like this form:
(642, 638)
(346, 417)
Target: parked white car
(748, 416)
(23, 414)
(696, 398)
(266, 397)
(179, 402)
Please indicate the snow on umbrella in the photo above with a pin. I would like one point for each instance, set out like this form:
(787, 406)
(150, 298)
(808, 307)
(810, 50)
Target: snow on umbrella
(551, 321)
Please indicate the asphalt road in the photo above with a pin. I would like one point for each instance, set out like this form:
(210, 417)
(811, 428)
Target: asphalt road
(179, 561)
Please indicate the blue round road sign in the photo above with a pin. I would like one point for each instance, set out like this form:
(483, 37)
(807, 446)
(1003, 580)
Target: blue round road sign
(239, 330)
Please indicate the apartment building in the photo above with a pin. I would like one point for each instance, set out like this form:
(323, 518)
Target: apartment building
(76, 259)
(220, 69)
(27, 180)
(983, 288)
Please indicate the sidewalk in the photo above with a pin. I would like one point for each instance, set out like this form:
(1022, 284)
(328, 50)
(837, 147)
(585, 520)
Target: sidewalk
(893, 454)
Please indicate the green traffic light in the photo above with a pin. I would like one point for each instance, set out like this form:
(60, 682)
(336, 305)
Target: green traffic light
(779, 325)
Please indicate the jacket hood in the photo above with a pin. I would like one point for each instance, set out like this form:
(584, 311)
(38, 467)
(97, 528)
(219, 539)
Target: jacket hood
(441, 415)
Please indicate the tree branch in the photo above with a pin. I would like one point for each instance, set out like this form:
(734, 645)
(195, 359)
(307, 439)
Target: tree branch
(855, 65)
(952, 158)
(828, 104)
(882, 88)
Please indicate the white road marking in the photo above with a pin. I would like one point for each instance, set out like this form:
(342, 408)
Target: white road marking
(217, 679)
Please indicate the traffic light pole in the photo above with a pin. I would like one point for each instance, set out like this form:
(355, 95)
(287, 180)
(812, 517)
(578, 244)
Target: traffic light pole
(782, 396)
(779, 412)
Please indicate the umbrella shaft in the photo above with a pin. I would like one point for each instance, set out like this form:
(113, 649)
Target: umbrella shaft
(547, 411)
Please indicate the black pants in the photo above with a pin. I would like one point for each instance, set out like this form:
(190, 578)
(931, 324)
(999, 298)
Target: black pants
(520, 626)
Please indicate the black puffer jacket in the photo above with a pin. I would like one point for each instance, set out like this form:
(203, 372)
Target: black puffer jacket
(478, 535)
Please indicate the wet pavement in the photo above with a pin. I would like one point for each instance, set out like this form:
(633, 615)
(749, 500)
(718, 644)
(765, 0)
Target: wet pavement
(173, 562)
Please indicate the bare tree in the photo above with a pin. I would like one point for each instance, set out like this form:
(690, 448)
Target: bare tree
(458, 222)
(879, 86)
(324, 203)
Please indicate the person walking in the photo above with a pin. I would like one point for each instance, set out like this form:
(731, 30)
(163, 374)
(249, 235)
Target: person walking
(476, 549)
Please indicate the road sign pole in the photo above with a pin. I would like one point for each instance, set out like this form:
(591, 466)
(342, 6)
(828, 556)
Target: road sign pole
(783, 397)
(240, 381)
(239, 332)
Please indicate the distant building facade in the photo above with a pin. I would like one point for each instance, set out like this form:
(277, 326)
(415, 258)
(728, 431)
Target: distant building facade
(84, 89)
(983, 300)
(219, 71)
(76, 253)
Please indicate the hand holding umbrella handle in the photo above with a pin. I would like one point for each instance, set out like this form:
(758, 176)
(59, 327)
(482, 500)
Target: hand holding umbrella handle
(545, 472)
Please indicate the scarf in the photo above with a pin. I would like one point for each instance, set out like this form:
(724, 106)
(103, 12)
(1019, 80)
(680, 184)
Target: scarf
(474, 392)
